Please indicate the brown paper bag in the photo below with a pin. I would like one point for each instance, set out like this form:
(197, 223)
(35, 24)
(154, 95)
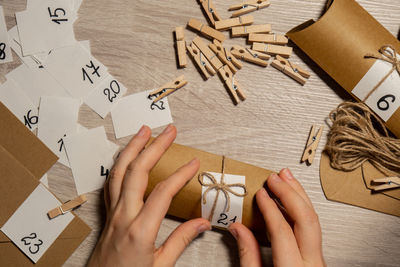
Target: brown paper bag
(187, 203)
(23, 161)
(338, 42)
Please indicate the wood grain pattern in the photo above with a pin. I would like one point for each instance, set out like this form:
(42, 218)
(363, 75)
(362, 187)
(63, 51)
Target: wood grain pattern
(134, 39)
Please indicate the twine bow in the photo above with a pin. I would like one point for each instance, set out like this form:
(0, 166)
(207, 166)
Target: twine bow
(222, 186)
(387, 53)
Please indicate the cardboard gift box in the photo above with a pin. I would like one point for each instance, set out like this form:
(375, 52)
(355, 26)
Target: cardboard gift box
(339, 42)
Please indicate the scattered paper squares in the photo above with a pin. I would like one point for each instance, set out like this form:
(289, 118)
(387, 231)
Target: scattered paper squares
(5, 48)
(30, 228)
(90, 155)
(135, 110)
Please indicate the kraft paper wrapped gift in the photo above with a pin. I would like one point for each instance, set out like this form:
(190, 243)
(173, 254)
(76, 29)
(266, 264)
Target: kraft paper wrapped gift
(338, 43)
(23, 161)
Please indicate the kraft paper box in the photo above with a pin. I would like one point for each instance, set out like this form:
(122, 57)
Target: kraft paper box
(338, 42)
(23, 161)
(187, 203)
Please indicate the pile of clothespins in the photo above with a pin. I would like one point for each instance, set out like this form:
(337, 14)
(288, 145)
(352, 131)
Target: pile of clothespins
(214, 57)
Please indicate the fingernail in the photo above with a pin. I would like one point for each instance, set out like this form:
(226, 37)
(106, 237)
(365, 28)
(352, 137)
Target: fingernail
(203, 227)
(263, 192)
(275, 178)
(142, 131)
(288, 173)
(168, 129)
(193, 161)
(233, 232)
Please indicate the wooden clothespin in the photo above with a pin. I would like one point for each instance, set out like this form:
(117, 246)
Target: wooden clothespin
(212, 58)
(293, 71)
(225, 56)
(229, 23)
(210, 11)
(233, 86)
(168, 88)
(248, 6)
(180, 46)
(201, 61)
(206, 30)
(312, 145)
(67, 206)
(249, 55)
(283, 51)
(386, 183)
(246, 30)
(268, 38)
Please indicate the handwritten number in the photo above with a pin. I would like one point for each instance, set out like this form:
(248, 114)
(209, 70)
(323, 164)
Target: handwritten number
(61, 142)
(2, 51)
(223, 217)
(116, 90)
(234, 219)
(159, 104)
(28, 241)
(54, 15)
(95, 71)
(383, 104)
(30, 120)
(104, 173)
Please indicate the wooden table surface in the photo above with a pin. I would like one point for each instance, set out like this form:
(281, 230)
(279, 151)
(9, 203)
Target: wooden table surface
(134, 39)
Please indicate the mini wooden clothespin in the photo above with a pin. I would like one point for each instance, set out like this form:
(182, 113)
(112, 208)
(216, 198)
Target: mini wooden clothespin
(212, 58)
(181, 46)
(168, 88)
(225, 56)
(206, 30)
(233, 86)
(67, 206)
(201, 61)
(248, 6)
(210, 11)
(268, 38)
(249, 55)
(293, 71)
(246, 30)
(312, 145)
(229, 23)
(386, 183)
(284, 51)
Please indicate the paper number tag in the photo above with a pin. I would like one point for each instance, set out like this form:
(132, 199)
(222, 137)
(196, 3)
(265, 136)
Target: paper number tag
(386, 99)
(221, 217)
(30, 228)
(5, 49)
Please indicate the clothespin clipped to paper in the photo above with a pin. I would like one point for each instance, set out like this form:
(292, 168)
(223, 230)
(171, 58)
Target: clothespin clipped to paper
(271, 38)
(233, 86)
(293, 71)
(246, 30)
(386, 183)
(210, 11)
(168, 88)
(212, 58)
(181, 46)
(283, 51)
(225, 56)
(233, 22)
(206, 30)
(67, 206)
(248, 6)
(312, 144)
(249, 55)
(201, 61)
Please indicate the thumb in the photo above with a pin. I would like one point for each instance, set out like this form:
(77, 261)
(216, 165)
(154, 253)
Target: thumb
(249, 251)
(180, 238)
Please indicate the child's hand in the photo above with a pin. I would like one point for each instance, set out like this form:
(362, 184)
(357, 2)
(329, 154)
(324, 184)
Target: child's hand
(132, 224)
(294, 230)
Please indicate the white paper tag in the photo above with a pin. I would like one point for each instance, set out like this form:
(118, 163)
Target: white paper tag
(46, 26)
(105, 96)
(30, 228)
(19, 104)
(221, 217)
(135, 110)
(5, 48)
(76, 70)
(91, 157)
(60, 116)
(386, 99)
